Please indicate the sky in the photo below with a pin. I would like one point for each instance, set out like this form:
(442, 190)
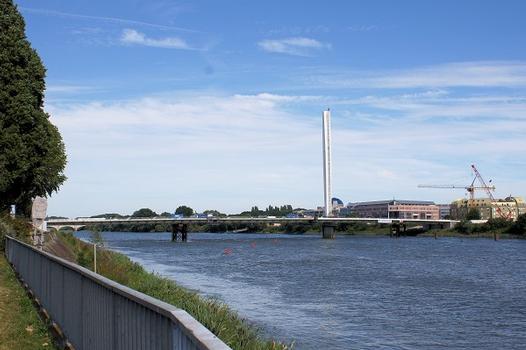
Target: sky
(217, 104)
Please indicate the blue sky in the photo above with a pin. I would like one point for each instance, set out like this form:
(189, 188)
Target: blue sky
(217, 104)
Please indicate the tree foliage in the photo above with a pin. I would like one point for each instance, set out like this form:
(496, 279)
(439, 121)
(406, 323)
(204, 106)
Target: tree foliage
(473, 214)
(32, 156)
(214, 213)
(144, 213)
(109, 216)
(519, 226)
(269, 211)
(184, 211)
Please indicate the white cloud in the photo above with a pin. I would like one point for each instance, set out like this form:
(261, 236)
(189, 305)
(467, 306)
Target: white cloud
(63, 88)
(131, 36)
(460, 74)
(233, 151)
(298, 46)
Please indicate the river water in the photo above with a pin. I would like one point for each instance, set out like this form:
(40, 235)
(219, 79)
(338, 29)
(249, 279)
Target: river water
(353, 292)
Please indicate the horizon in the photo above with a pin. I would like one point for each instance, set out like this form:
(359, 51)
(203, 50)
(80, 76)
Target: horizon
(218, 106)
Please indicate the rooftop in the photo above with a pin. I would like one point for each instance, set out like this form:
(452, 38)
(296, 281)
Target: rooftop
(393, 202)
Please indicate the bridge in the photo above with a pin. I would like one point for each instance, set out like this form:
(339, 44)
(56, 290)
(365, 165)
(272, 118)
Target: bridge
(327, 223)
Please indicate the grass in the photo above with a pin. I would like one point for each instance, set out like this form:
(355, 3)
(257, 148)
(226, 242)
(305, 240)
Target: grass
(213, 314)
(20, 326)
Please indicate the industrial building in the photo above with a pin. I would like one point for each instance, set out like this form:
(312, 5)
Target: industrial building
(395, 209)
(508, 208)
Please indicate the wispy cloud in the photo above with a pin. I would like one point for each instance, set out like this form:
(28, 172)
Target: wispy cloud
(297, 46)
(133, 37)
(61, 88)
(234, 151)
(460, 74)
(117, 20)
(298, 30)
(362, 28)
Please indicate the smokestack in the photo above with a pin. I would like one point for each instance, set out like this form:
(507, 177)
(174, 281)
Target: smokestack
(327, 162)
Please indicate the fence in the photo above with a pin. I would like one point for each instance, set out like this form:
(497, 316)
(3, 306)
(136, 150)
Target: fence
(95, 313)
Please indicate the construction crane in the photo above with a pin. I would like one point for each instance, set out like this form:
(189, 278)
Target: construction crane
(498, 209)
(472, 188)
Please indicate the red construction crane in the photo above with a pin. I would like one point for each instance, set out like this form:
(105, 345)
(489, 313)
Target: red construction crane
(498, 209)
(471, 190)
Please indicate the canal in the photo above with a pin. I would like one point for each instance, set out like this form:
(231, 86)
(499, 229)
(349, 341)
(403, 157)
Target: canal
(354, 292)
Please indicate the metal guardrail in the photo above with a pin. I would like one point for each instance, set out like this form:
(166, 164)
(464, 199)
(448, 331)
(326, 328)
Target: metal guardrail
(96, 313)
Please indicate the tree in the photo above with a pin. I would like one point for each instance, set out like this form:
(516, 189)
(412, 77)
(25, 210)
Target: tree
(473, 214)
(214, 213)
(519, 226)
(108, 216)
(32, 155)
(184, 211)
(165, 214)
(144, 213)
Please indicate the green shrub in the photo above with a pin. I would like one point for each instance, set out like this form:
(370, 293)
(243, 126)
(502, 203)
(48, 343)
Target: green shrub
(519, 226)
(17, 228)
(496, 224)
(463, 227)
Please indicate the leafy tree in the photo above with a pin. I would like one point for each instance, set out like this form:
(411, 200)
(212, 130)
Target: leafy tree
(32, 155)
(496, 224)
(144, 213)
(519, 226)
(463, 227)
(108, 216)
(473, 214)
(214, 213)
(184, 211)
(166, 215)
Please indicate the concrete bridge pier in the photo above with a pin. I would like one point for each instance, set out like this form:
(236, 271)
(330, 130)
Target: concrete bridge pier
(328, 231)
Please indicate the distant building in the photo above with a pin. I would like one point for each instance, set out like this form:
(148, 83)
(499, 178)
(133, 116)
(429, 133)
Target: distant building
(337, 206)
(309, 213)
(445, 211)
(395, 209)
(512, 206)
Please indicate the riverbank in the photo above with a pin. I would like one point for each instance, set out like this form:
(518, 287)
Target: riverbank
(216, 316)
(20, 326)
(499, 234)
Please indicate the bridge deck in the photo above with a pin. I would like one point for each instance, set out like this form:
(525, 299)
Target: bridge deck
(242, 220)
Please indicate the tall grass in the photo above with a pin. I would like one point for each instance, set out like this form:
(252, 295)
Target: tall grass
(213, 314)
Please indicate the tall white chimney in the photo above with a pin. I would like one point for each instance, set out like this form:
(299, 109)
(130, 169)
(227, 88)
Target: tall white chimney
(327, 162)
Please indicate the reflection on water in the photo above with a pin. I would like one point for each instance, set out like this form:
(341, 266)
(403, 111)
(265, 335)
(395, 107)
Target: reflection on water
(353, 292)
